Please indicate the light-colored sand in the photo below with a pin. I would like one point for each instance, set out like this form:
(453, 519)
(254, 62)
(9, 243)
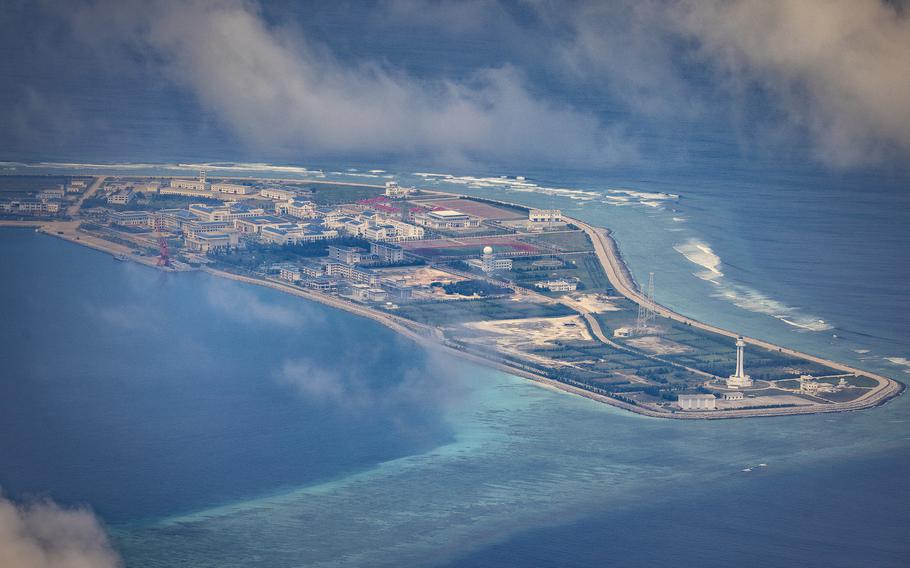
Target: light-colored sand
(593, 303)
(658, 345)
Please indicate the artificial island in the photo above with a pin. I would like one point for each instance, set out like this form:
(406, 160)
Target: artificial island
(526, 290)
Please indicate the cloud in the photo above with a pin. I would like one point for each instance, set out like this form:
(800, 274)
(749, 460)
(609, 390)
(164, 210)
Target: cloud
(430, 379)
(836, 69)
(840, 68)
(44, 535)
(246, 306)
(280, 90)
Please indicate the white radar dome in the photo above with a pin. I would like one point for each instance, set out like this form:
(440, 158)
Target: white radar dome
(487, 250)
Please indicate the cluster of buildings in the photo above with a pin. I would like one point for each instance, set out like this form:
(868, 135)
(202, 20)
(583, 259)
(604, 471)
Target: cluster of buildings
(349, 268)
(47, 201)
(811, 386)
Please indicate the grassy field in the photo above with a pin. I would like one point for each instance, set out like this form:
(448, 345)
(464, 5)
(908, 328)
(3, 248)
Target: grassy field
(571, 241)
(336, 194)
(24, 184)
(457, 311)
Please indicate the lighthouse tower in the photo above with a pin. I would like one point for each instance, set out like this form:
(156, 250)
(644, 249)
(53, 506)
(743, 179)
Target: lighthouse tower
(739, 379)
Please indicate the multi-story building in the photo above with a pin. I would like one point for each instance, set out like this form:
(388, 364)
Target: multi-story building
(194, 228)
(232, 188)
(130, 218)
(191, 184)
(387, 253)
(545, 216)
(212, 242)
(347, 255)
(447, 220)
(121, 197)
(300, 208)
(29, 207)
(51, 193)
(278, 193)
(558, 285)
(254, 225)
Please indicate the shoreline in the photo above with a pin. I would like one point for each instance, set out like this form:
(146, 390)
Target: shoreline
(620, 277)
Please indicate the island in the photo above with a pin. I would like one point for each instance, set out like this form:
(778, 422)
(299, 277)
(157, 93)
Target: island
(528, 291)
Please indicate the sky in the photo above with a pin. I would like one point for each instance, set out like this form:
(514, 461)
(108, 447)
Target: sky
(580, 84)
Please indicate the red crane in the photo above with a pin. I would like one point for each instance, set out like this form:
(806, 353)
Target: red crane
(164, 253)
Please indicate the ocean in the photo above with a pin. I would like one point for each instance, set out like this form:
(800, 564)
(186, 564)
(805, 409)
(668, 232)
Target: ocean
(173, 405)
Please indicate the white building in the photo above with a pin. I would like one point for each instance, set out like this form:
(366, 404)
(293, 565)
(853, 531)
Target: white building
(347, 255)
(739, 379)
(211, 242)
(447, 219)
(623, 332)
(192, 184)
(278, 193)
(121, 197)
(392, 189)
(490, 264)
(736, 395)
(697, 402)
(300, 208)
(232, 188)
(290, 274)
(130, 218)
(545, 216)
(558, 285)
(51, 193)
(387, 252)
(76, 186)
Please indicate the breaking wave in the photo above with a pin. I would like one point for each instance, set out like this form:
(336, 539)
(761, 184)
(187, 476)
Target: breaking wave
(701, 254)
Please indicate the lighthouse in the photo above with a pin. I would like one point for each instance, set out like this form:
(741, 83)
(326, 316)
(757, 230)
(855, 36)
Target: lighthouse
(739, 379)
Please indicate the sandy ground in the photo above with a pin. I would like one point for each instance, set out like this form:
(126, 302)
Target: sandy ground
(593, 303)
(764, 400)
(658, 345)
(521, 336)
(419, 276)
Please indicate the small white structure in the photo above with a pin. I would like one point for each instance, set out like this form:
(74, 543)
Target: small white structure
(809, 385)
(739, 379)
(392, 189)
(737, 395)
(622, 332)
(697, 402)
(558, 285)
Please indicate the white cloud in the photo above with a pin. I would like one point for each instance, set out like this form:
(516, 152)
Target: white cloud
(44, 535)
(246, 306)
(841, 68)
(432, 380)
(283, 92)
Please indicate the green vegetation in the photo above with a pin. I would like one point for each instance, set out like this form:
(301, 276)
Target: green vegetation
(327, 194)
(583, 267)
(563, 241)
(256, 255)
(478, 287)
(457, 311)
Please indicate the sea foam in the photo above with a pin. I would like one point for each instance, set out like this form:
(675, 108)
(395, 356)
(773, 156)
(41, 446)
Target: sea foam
(745, 297)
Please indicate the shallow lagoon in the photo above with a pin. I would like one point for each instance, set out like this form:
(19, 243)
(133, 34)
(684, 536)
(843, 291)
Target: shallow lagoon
(213, 423)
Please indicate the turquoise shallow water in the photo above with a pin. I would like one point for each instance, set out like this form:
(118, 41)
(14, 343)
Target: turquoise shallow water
(441, 462)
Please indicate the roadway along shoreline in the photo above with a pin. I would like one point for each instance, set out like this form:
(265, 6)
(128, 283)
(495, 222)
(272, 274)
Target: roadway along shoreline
(621, 279)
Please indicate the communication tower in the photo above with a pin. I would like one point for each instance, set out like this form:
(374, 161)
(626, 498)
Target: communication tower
(646, 311)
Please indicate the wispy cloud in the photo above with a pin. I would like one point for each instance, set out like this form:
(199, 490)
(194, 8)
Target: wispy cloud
(247, 306)
(44, 535)
(430, 380)
(281, 90)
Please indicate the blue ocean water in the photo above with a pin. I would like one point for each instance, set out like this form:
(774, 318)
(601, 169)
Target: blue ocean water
(183, 409)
